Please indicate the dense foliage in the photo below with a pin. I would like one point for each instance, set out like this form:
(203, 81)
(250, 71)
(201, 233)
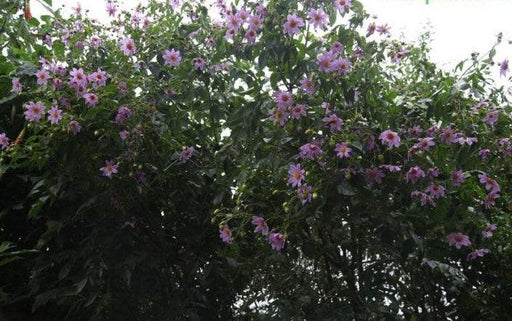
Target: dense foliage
(280, 160)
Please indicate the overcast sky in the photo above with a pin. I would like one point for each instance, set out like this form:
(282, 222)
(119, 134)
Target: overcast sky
(459, 27)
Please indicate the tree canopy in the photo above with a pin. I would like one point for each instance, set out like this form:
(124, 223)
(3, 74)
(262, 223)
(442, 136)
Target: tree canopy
(274, 160)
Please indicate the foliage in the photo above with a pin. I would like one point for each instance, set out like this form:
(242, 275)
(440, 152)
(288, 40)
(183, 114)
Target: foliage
(373, 178)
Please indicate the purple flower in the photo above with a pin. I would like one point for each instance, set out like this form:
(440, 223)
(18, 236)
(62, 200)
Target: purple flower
(457, 177)
(34, 111)
(122, 114)
(278, 116)
(448, 136)
(42, 77)
(342, 5)
(298, 111)
(342, 150)
(384, 29)
(128, 46)
(225, 234)
(4, 141)
(54, 115)
(261, 225)
(111, 9)
(425, 143)
(458, 240)
(307, 85)
(490, 183)
(16, 85)
(77, 77)
(484, 153)
(504, 68)
(389, 138)
(317, 17)
(334, 122)
(74, 127)
(477, 253)
(374, 175)
(326, 62)
(490, 199)
(292, 24)
(304, 194)
(435, 191)
(199, 63)
(172, 57)
(488, 232)
(296, 175)
(342, 66)
(491, 117)
(414, 174)
(91, 99)
(276, 240)
(391, 168)
(310, 151)
(283, 99)
(186, 154)
(109, 169)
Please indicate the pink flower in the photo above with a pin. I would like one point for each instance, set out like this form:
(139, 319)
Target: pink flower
(283, 99)
(334, 122)
(74, 127)
(374, 175)
(457, 177)
(186, 154)
(504, 68)
(298, 111)
(383, 29)
(34, 111)
(109, 169)
(477, 253)
(91, 99)
(233, 22)
(342, 66)
(490, 183)
(415, 131)
(326, 62)
(435, 191)
(199, 63)
(4, 141)
(42, 77)
(448, 136)
(225, 234)
(292, 24)
(77, 77)
(458, 240)
(111, 9)
(304, 194)
(98, 78)
(124, 134)
(261, 225)
(172, 57)
(128, 46)
(250, 35)
(342, 5)
(342, 150)
(317, 17)
(307, 85)
(122, 114)
(296, 175)
(77, 10)
(16, 85)
(414, 174)
(243, 15)
(491, 117)
(425, 143)
(278, 116)
(391, 168)
(484, 153)
(255, 22)
(490, 199)
(276, 240)
(390, 138)
(488, 232)
(54, 115)
(310, 151)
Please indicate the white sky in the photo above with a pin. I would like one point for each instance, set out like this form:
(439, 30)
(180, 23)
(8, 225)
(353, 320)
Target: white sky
(459, 27)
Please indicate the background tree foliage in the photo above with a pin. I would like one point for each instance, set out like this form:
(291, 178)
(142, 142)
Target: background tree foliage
(144, 243)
